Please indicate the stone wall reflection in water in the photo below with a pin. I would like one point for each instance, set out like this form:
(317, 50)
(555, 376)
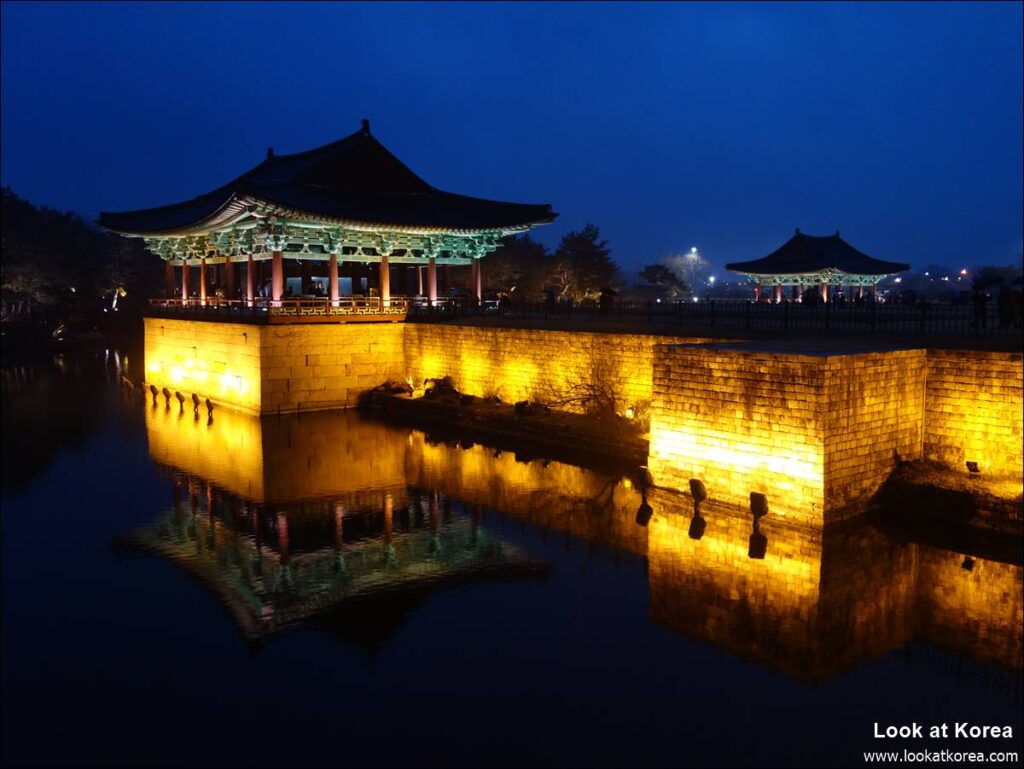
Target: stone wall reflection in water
(291, 516)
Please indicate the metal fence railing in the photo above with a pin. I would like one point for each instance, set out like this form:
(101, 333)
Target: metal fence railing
(869, 317)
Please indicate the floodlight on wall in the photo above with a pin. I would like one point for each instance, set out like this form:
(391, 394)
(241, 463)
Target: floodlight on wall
(972, 468)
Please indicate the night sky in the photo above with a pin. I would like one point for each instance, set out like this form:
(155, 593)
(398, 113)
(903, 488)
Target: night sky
(669, 126)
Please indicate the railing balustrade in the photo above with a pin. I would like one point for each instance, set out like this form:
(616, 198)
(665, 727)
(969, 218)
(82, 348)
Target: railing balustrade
(842, 317)
(291, 309)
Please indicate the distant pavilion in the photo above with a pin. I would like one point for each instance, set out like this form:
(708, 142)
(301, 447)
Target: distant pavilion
(344, 206)
(816, 261)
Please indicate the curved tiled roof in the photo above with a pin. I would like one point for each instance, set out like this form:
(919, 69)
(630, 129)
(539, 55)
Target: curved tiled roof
(355, 179)
(814, 253)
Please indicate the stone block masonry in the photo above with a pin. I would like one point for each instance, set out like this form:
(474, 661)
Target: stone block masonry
(741, 421)
(326, 366)
(819, 433)
(974, 410)
(875, 417)
(531, 364)
(267, 369)
(816, 432)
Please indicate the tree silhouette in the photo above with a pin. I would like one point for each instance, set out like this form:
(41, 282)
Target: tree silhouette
(583, 266)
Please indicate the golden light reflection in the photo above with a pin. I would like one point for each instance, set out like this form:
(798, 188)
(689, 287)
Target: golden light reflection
(808, 601)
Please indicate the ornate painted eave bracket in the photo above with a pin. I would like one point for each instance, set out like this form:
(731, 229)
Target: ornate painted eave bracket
(258, 229)
(830, 276)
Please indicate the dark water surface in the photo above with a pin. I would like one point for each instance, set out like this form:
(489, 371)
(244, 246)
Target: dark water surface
(328, 590)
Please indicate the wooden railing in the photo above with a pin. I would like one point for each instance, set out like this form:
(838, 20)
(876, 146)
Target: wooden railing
(290, 310)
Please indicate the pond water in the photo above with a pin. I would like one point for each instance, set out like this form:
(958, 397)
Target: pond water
(331, 590)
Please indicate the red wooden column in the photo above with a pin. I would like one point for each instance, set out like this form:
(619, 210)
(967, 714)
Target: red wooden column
(202, 281)
(277, 277)
(874, 291)
(757, 292)
(184, 282)
(432, 280)
(229, 278)
(419, 280)
(169, 276)
(477, 276)
(796, 291)
(332, 279)
(860, 291)
(824, 292)
(385, 282)
(778, 293)
(250, 280)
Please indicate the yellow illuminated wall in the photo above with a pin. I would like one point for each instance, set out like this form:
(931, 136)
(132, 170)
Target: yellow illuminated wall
(220, 361)
(741, 422)
(874, 418)
(327, 365)
(974, 410)
(530, 364)
(269, 369)
(816, 434)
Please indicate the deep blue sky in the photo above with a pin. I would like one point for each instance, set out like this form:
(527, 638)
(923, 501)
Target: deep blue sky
(721, 126)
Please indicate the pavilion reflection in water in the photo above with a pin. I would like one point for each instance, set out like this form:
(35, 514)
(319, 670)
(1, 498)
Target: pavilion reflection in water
(288, 516)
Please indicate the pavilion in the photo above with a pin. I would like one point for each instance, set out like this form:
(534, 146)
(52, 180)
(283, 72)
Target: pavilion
(816, 261)
(320, 218)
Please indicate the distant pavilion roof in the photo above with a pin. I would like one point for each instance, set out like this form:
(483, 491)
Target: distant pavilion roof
(807, 254)
(354, 181)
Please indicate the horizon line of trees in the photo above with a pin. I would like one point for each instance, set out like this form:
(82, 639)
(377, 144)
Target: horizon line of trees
(56, 265)
(57, 262)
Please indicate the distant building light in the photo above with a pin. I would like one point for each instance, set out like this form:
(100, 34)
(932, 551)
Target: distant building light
(693, 250)
(898, 280)
(963, 271)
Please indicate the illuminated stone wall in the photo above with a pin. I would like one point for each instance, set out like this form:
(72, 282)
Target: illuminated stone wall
(216, 360)
(816, 434)
(974, 410)
(327, 365)
(741, 421)
(266, 369)
(873, 419)
(521, 364)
